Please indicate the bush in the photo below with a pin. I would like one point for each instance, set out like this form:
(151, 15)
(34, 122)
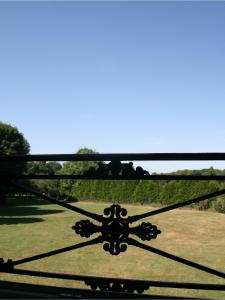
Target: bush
(49, 188)
(69, 199)
(204, 205)
(219, 205)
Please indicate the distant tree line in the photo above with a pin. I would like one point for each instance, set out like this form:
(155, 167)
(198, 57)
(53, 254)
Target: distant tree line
(152, 192)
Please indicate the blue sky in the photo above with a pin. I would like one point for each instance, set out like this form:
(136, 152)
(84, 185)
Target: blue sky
(115, 76)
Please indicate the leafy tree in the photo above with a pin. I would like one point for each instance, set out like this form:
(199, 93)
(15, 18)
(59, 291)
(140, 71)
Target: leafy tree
(53, 167)
(42, 167)
(12, 142)
(81, 188)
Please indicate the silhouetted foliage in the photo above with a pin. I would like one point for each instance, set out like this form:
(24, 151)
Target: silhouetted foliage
(42, 167)
(12, 142)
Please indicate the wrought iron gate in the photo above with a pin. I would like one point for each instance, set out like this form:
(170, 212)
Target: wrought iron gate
(115, 230)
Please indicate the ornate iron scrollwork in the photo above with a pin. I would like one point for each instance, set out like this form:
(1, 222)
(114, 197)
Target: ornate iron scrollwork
(85, 228)
(145, 231)
(115, 230)
(116, 169)
(115, 286)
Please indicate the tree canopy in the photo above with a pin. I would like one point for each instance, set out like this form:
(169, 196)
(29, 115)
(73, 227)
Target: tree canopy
(12, 142)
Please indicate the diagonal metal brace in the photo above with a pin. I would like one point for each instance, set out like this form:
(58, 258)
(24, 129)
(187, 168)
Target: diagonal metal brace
(58, 202)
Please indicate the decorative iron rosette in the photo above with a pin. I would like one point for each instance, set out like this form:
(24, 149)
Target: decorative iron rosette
(115, 230)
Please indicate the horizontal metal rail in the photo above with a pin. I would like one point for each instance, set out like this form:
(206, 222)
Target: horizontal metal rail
(12, 290)
(152, 283)
(6, 177)
(116, 156)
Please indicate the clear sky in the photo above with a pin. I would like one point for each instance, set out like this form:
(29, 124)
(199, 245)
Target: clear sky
(115, 76)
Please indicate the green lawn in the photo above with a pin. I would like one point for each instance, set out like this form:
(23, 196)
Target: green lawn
(32, 227)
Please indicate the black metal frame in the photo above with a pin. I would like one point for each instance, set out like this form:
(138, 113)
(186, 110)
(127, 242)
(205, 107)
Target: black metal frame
(115, 230)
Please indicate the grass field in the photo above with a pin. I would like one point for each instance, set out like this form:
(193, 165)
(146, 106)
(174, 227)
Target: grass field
(32, 227)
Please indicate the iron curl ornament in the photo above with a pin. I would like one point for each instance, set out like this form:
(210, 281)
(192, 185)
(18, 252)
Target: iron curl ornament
(115, 230)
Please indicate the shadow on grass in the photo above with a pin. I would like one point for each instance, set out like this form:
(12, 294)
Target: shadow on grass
(26, 211)
(9, 214)
(25, 201)
(24, 207)
(13, 221)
